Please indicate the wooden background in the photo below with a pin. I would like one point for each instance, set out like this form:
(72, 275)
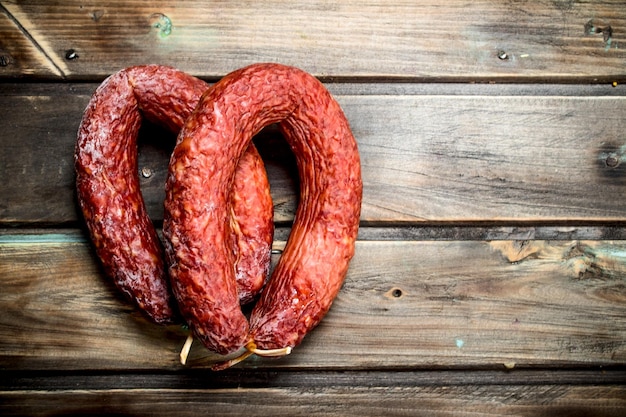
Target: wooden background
(490, 273)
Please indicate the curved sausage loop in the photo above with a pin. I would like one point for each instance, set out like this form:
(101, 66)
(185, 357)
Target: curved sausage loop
(110, 198)
(313, 265)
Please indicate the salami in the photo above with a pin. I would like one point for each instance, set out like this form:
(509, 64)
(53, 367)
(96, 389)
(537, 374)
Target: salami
(314, 263)
(108, 190)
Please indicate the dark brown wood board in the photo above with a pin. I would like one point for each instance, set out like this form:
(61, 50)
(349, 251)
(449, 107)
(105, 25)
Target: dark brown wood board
(20, 55)
(421, 40)
(446, 154)
(404, 305)
(490, 272)
(460, 400)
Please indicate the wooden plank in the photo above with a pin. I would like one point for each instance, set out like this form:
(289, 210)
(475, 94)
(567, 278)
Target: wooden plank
(489, 158)
(445, 156)
(406, 305)
(20, 57)
(489, 400)
(420, 40)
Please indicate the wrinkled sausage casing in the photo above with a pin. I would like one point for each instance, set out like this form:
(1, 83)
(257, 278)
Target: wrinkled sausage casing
(313, 265)
(108, 190)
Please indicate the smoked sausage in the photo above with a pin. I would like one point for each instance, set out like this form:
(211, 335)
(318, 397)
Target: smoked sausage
(108, 190)
(313, 265)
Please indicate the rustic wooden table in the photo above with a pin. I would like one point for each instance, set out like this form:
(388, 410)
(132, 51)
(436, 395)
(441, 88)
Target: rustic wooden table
(490, 273)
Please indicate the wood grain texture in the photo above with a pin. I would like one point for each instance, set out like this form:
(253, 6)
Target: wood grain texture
(442, 157)
(490, 270)
(419, 305)
(470, 400)
(421, 40)
(20, 56)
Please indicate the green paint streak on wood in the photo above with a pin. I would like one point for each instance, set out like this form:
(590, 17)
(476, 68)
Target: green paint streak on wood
(164, 24)
(41, 238)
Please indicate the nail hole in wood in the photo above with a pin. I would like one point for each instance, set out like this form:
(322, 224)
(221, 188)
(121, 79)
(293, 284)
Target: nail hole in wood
(146, 172)
(612, 161)
(71, 55)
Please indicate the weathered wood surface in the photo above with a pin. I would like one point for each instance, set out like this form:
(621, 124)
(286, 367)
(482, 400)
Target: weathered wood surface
(19, 55)
(375, 401)
(404, 305)
(457, 155)
(491, 263)
(487, 40)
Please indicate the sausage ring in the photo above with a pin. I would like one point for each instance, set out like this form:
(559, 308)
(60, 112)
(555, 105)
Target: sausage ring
(314, 263)
(108, 190)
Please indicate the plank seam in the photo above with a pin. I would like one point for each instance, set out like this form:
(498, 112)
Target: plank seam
(268, 378)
